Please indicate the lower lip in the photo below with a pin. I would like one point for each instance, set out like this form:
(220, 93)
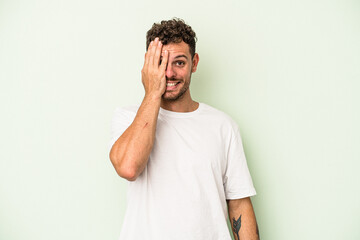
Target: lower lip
(170, 88)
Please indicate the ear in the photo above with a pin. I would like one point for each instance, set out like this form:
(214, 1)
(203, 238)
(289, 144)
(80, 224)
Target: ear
(195, 62)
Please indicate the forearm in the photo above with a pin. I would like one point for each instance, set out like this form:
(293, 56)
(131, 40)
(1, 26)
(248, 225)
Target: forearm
(242, 219)
(130, 153)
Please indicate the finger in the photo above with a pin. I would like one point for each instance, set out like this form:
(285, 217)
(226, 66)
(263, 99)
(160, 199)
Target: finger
(164, 60)
(157, 54)
(145, 60)
(147, 55)
(152, 51)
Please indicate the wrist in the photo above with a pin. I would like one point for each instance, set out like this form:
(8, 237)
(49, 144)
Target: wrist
(153, 97)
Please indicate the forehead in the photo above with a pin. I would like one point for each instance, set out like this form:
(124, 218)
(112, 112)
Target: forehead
(176, 49)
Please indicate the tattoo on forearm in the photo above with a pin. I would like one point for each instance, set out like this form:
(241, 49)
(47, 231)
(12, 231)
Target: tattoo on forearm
(236, 227)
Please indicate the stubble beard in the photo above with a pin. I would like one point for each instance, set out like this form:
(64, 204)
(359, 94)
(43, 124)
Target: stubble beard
(180, 94)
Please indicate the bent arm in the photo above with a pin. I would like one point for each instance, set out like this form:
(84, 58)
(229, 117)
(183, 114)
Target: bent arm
(242, 219)
(130, 153)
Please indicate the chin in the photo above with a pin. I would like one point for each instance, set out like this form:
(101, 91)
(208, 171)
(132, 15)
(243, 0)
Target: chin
(173, 96)
(170, 98)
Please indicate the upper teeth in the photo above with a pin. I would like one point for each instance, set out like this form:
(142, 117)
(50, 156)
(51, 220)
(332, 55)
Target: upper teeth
(170, 84)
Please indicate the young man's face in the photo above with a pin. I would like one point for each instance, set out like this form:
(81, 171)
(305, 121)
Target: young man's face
(178, 70)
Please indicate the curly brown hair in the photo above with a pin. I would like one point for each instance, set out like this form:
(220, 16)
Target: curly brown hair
(172, 31)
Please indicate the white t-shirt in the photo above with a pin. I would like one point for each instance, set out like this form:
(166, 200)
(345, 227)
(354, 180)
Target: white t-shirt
(197, 162)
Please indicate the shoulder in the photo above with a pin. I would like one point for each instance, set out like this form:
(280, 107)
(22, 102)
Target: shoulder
(125, 113)
(218, 116)
(132, 109)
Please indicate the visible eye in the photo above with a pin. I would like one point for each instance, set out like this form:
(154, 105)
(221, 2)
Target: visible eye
(180, 63)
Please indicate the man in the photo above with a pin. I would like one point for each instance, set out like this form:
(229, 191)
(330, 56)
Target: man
(184, 160)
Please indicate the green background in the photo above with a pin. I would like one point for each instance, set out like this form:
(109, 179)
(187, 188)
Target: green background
(287, 71)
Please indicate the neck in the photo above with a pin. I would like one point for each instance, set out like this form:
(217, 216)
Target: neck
(183, 104)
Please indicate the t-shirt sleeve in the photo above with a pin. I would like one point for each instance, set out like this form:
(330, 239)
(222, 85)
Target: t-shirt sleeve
(237, 178)
(121, 120)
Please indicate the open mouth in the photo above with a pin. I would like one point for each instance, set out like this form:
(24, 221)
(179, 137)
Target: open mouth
(171, 85)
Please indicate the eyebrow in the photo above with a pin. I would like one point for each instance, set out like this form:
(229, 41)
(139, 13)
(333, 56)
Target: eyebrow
(181, 56)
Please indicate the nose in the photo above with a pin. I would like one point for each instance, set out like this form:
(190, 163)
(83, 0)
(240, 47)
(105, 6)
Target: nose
(169, 72)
